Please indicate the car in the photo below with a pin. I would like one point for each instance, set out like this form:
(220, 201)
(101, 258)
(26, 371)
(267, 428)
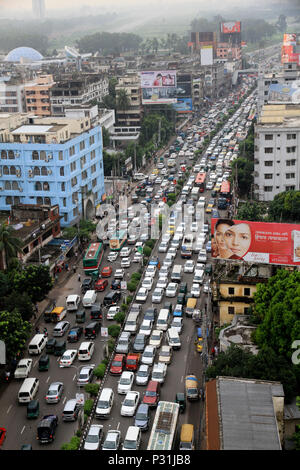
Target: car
(195, 290)
(112, 256)
(93, 437)
(142, 294)
(136, 308)
(125, 252)
(194, 227)
(142, 417)
(168, 261)
(23, 369)
(177, 323)
(178, 310)
(106, 271)
(189, 266)
(142, 375)
(150, 271)
(157, 295)
(208, 246)
(146, 327)
(165, 354)
(112, 441)
(119, 273)
(168, 306)
(125, 263)
(74, 334)
(150, 314)
(148, 355)
(159, 372)
(46, 429)
(208, 208)
(125, 382)
(68, 358)
(118, 364)
(87, 284)
(156, 338)
(130, 404)
(112, 311)
(164, 271)
(116, 284)
(100, 285)
(147, 283)
(139, 343)
(85, 375)
(61, 328)
(206, 288)
(202, 256)
(54, 393)
(137, 258)
(161, 283)
(181, 298)
(171, 289)
(163, 247)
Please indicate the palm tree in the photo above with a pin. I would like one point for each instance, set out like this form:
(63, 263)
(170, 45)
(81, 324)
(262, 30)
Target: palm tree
(123, 101)
(10, 244)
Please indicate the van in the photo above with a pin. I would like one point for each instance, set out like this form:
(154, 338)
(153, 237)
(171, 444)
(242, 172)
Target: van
(86, 350)
(176, 273)
(190, 307)
(105, 403)
(163, 319)
(71, 410)
(173, 338)
(112, 298)
(72, 303)
(92, 330)
(132, 322)
(28, 390)
(123, 343)
(37, 344)
(132, 439)
(187, 437)
(89, 298)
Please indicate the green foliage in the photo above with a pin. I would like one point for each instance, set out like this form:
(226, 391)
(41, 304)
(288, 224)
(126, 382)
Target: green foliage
(253, 211)
(72, 445)
(134, 277)
(120, 317)
(147, 251)
(35, 280)
(109, 43)
(129, 297)
(21, 302)
(88, 406)
(99, 371)
(296, 438)
(14, 331)
(150, 129)
(92, 389)
(150, 243)
(111, 345)
(243, 168)
(132, 286)
(10, 244)
(114, 330)
(285, 207)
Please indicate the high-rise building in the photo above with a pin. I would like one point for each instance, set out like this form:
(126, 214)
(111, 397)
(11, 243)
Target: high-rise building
(38, 8)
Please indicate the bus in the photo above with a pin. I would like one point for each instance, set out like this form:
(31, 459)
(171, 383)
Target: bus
(200, 181)
(225, 191)
(93, 258)
(118, 240)
(164, 426)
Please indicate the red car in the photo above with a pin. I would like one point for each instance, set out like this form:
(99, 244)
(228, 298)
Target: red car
(106, 271)
(151, 397)
(100, 285)
(118, 364)
(2, 435)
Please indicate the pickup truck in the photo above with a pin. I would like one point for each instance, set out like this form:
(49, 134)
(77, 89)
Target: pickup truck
(132, 361)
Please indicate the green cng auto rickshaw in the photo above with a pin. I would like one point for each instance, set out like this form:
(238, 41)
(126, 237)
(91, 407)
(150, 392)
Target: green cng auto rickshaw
(180, 399)
(60, 347)
(80, 316)
(33, 409)
(50, 346)
(44, 362)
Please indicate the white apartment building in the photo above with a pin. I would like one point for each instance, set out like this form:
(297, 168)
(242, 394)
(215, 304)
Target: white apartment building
(277, 150)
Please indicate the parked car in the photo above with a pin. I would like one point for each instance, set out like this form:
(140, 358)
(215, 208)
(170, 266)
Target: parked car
(94, 437)
(85, 375)
(125, 382)
(112, 440)
(130, 403)
(142, 375)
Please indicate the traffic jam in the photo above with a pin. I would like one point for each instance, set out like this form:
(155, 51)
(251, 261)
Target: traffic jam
(164, 333)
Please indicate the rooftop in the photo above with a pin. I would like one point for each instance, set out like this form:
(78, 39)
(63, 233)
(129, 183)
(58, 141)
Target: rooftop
(287, 115)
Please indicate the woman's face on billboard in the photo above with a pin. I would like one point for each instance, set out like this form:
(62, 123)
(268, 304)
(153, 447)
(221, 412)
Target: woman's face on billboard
(238, 239)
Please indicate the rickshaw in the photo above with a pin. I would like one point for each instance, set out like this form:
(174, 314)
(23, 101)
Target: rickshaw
(180, 399)
(80, 316)
(44, 362)
(60, 347)
(33, 409)
(50, 346)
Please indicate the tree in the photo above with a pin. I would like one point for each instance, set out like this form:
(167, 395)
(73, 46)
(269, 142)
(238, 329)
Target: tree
(14, 331)
(10, 244)
(123, 102)
(242, 170)
(253, 211)
(35, 280)
(285, 207)
(281, 23)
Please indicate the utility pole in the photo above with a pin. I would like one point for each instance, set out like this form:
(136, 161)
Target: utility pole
(82, 192)
(135, 157)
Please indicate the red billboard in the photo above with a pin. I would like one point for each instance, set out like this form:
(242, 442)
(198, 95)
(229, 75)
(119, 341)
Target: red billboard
(231, 27)
(256, 242)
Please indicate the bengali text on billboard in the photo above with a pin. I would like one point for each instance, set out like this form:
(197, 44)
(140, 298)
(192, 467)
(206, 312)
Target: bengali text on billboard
(183, 105)
(150, 79)
(256, 242)
(231, 27)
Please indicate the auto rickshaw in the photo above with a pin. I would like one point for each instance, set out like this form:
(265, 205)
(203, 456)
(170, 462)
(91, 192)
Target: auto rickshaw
(33, 409)
(180, 399)
(50, 346)
(60, 347)
(80, 316)
(199, 341)
(44, 362)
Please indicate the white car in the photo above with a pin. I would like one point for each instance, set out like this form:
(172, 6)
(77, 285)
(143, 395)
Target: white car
(171, 289)
(68, 358)
(195, 290)
(112, 256)
(189, 266)
(142, 375)
(23, 368)
(162, 283)
(157, 295)
(148, 355)
(177, 324)
(142, 294)
(156, 338)
(165, 354)
(112, 311)
(112, 440)
(137, 258)
(164, 271)
(150, 271)
(206, 288)
(125, 252)
(130, 404)
(168, 261)
(202, 256)
(209, 185)
(146, 327)
(119, 273)
(93, 438)
(172, 251)
(159, 372)
(147, 283)
(125, 263)
(125, 382)
(163, 247)
(194, 227)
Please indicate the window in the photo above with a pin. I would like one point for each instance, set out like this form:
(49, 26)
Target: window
(82, 145)
(268, 163)
(92, 139)
(84, 175)
(8, 200)
(12, 170)
(82, 161)
(93, 154)
(93, 168)
(63, 186)
(231, 290)
(5, 170)
(3, 154)
(35, 155)
(246, 310)
(73, 166)
(11, 155)
(60, 155)
(246, 290)
(268, 189)
(290, 188)
(73, 181)
(291, 162)
(291, 149)
(291, 136)
(94, 182)
(268, 149)
(62, 171)
(42, 155)
(39, 200)
(72, 151)
(268, 176)
(231, 310)
(44, 171)
(289, 175)
(46, 186)
(64, 202)
(38, 186)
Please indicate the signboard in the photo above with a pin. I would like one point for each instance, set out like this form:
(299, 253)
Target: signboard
(256, 242)
(123, 285)
(152, 79)
(284, 93)
(206, 55)
(183, 105)
(161, 95)
(290, 39)
(231, 27)
(79, 398)
(104, 332)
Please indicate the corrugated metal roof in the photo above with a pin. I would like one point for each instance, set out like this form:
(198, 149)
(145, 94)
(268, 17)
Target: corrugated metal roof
(248, 420)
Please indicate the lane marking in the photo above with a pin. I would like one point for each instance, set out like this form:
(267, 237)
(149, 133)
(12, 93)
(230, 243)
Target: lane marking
(23, 429)
(9, 408)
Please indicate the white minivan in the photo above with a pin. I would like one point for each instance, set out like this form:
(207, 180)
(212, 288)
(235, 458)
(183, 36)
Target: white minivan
(162, 322)
(173, 338)
(28, 390)
(37, 344)
(89, 298)
(72, 302)
(132, 439)
(105, 403)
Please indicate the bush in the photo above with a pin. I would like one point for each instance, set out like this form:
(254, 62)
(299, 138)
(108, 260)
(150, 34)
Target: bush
(92, 389)
(105, 362)
(131, 286)
(72, 445)
(120, 317)
(114, 330)
(150, 243)
(129, 297)
(99, 371)
(111, 345)
(88, 406)
(147, 251)
(124, 308)
(134, 277)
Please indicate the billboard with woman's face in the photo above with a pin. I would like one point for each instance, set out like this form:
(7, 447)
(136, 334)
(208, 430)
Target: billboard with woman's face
(258, 242)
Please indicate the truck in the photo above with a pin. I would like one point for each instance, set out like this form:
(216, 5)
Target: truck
(132, 361)
(164, 426)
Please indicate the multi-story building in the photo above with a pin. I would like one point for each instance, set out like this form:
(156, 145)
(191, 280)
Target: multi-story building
(277, 150)
(263, 83)
(51, 161)
(12, 97)
(133, 114)
(83, 89)
(37, 95)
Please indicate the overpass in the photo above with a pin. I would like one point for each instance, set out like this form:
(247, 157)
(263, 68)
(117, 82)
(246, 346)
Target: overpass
(237, 72)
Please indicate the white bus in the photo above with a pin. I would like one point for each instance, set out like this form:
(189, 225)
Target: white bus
(164, 426)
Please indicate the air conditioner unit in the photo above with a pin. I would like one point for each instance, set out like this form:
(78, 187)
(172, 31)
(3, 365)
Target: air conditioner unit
(50, 156)
(30, 174)
(21, 190)
(17, 154)
(49, 172)
(1, 189)
(18, 173)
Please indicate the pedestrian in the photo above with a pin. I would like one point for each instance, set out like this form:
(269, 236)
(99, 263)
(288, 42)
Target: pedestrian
(37, 330)
(66, 266)
(54, 304)
(216, 350)
(74, 268)
(36, 308)
(79, 277)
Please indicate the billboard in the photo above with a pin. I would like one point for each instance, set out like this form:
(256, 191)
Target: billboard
(284, 93)
(158, 79)
(160, 95)
(256, 242)
(290, 39)
(183, 105)
(231, 27)
(206, 55)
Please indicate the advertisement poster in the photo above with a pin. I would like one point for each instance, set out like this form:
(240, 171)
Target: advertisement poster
(183, 105)
(256, 242)
(153, 79)
(284, 93)
(161, 95)
(231, 27)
